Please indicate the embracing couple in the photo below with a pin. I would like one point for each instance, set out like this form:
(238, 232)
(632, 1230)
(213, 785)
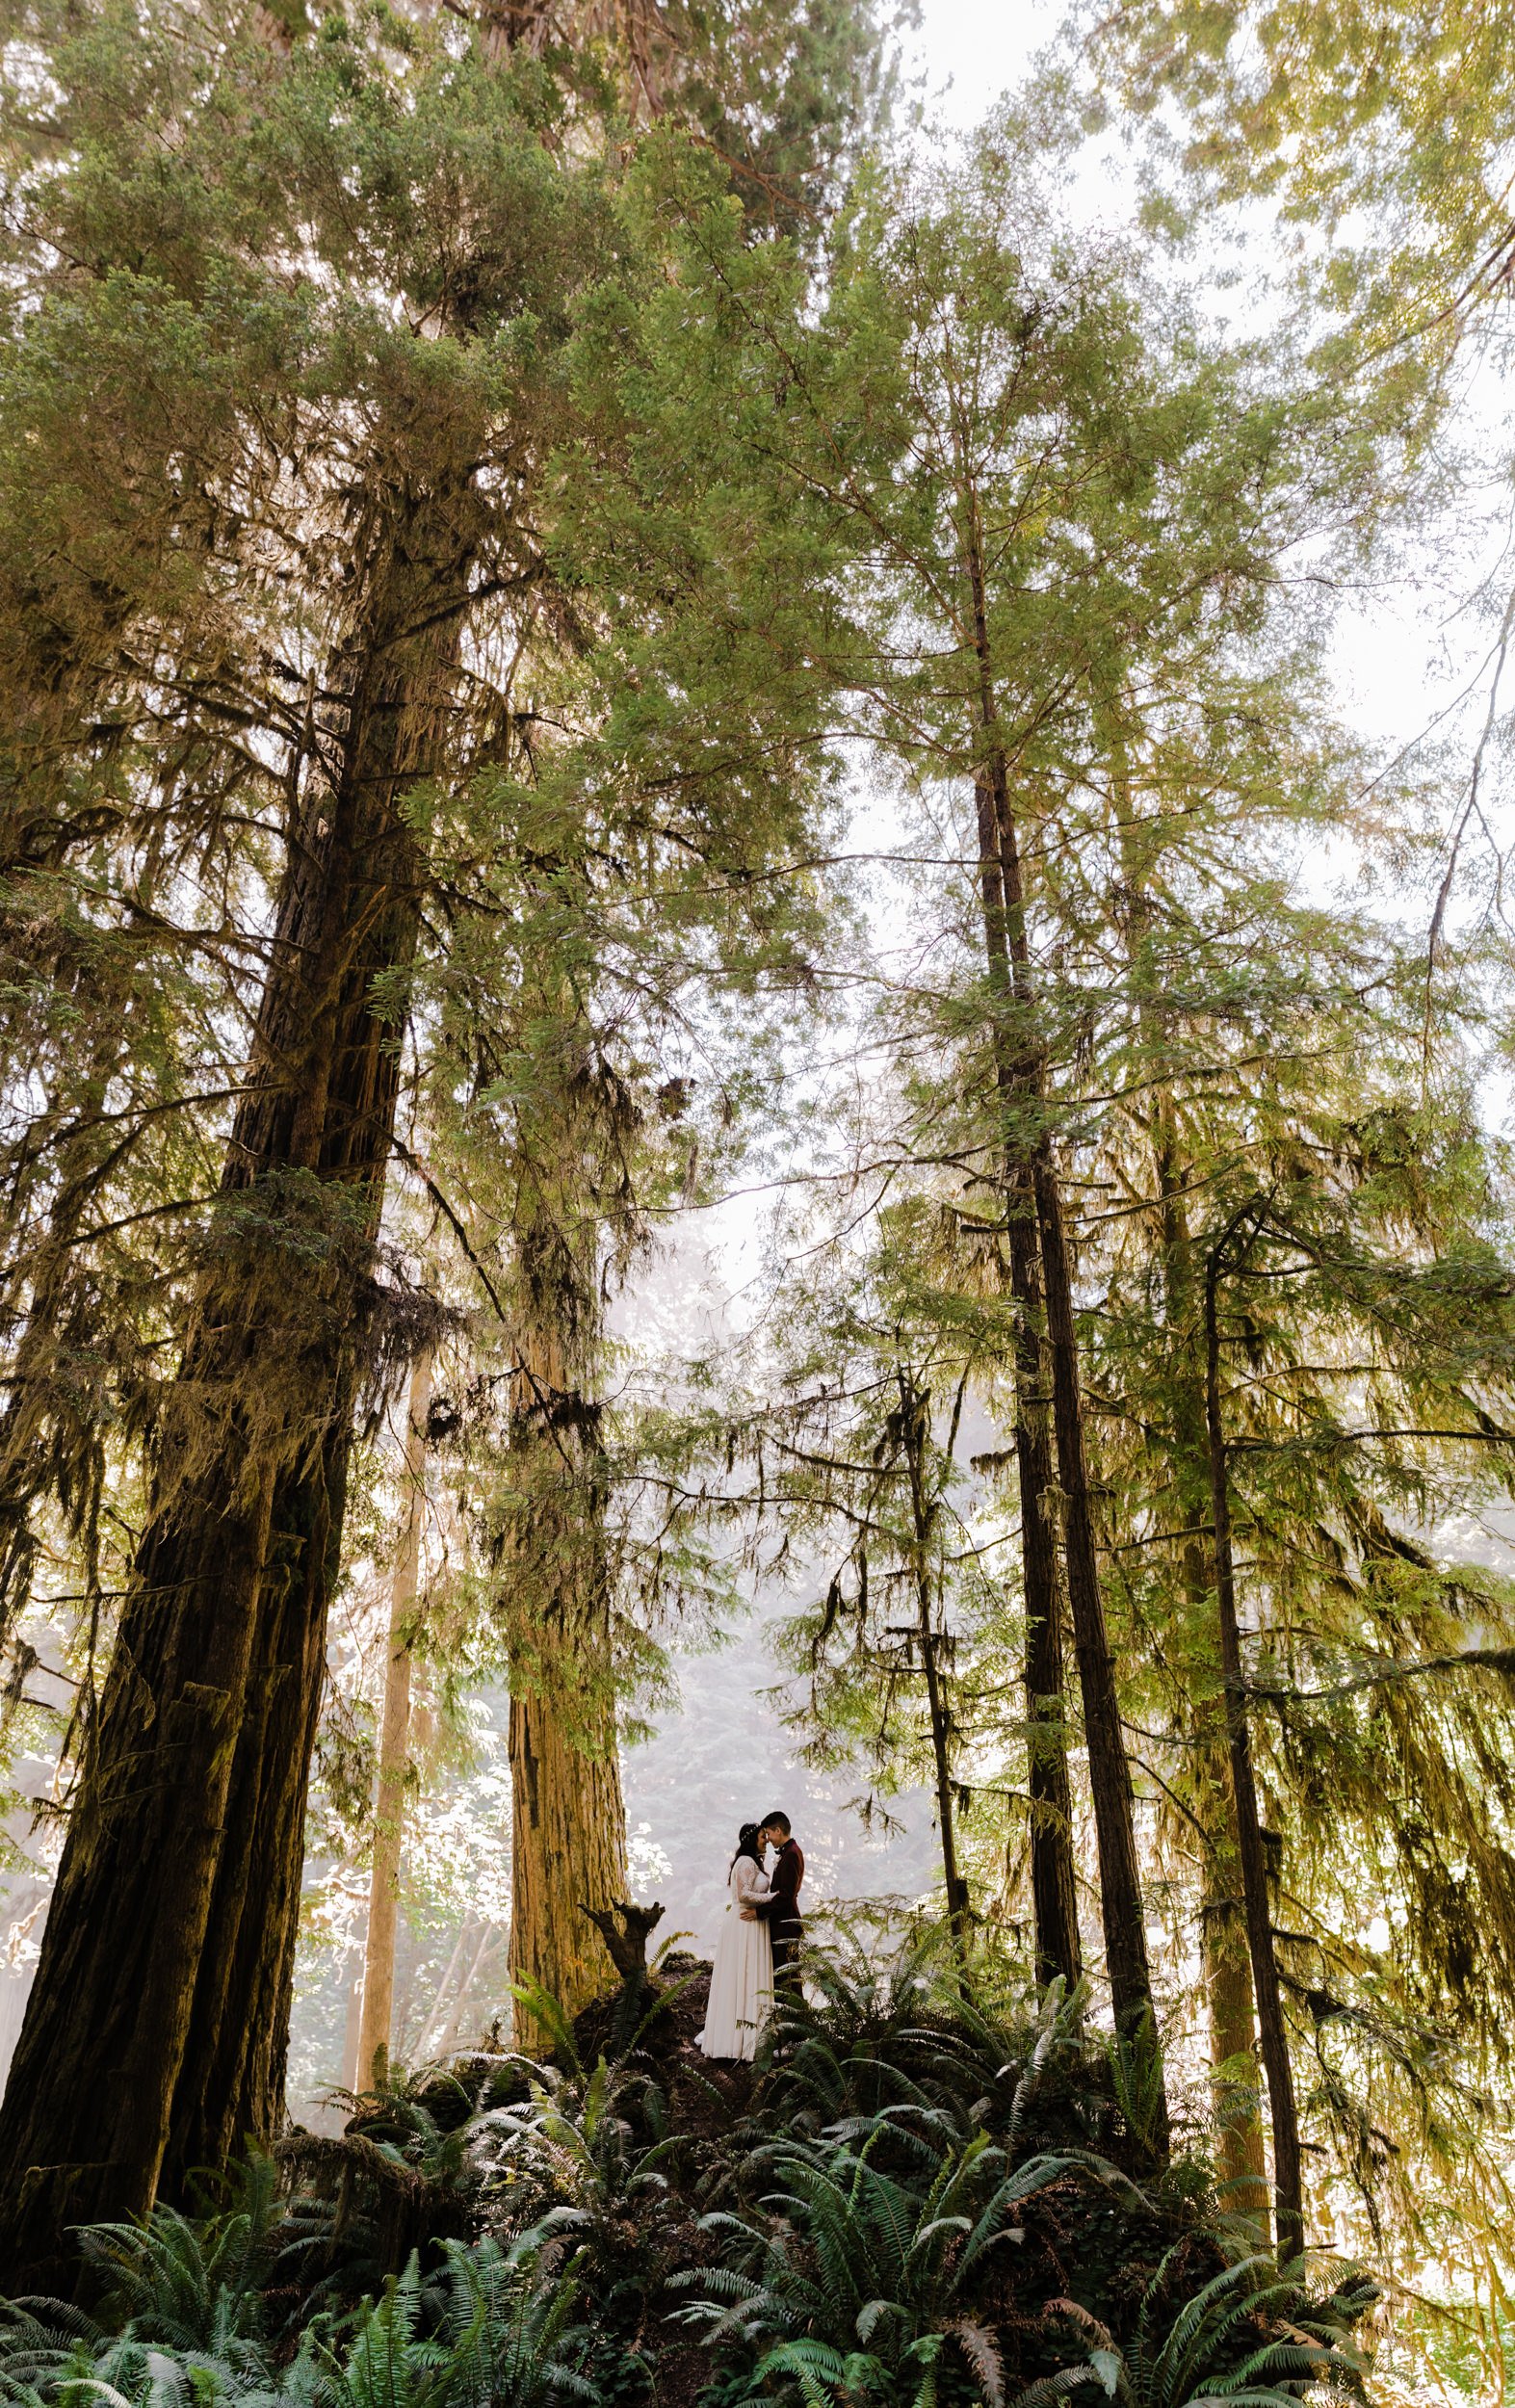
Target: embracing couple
(760, 1937)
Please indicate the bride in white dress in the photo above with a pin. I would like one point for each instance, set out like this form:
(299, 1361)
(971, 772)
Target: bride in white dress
(741, 1978)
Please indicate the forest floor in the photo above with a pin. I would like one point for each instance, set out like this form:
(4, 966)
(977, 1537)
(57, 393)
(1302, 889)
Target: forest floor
(917, 2197)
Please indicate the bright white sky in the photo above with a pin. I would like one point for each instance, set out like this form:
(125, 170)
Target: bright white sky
(971, 51)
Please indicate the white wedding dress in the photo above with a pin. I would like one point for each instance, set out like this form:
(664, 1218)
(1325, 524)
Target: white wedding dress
(741, 1978)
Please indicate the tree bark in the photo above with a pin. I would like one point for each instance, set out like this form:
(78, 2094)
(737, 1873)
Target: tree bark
(1054, 1905)
(156, 2031)
(1121, 1910)
(569, 1817)
(384, 1892)
(1283, 2112)
(1055, 1899)
(352, 2021)
(230, 2086)
(1110, 1774)
(568, 1847)
(1228, 1975)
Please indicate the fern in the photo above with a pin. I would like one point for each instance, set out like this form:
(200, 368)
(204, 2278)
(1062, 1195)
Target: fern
(857, 2278)
(1247, 2337)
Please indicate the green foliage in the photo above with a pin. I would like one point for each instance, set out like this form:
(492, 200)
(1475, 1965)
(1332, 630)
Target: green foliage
(572, 2141)
(882, 2028)
(1245, 2335)
(493, 2323)
(949, 2236)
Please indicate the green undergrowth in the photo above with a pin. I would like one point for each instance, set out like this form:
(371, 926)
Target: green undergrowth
(919, 2195)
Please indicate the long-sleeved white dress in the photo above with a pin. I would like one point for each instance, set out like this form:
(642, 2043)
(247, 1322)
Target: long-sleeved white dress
(741, 1978)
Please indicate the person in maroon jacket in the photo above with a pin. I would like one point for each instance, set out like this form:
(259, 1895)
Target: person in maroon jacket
(781, 1906)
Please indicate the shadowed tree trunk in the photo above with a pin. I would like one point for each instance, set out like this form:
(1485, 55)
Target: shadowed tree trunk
(155, 2034)
(230, 2087)
(1054, 1905)
(1274, 2034)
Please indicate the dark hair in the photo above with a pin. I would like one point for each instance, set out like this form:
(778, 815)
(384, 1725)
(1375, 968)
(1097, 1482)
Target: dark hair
(777, 1820)
(748, 1845)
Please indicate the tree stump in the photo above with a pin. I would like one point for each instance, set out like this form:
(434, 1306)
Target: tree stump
(625, 1930)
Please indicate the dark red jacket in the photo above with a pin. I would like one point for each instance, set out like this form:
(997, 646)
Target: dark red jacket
(781, 1906)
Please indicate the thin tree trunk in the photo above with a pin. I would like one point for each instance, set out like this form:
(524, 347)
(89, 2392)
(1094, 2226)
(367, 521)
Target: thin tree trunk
(957, 1887)
(1054, 1905)
(451, 2030)
(1055, 1899)
(1121, 1910)
(1228, 1972)
(352, 2023)
(443, 1990)
(914, 1409)
(156, 2035)
(384, 1892)
(1109, 1772)
(1288, 2176)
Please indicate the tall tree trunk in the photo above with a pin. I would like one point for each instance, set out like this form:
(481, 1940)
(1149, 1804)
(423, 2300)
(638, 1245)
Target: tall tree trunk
(384, 1893)
(1121, 1910)
(352, 2021)
(230, 2085)
(1110, 1774)
(1228, 1975)
(914, 1422)
(569, 1817)
(1055, 1904)
(1228, 1972)
(1283, 2113)
(156, 2031)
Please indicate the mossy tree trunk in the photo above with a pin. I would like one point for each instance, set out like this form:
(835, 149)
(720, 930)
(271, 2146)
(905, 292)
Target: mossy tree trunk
(1228, 1995)
(569, 1817)
(155, 2035)
(568, 1843)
